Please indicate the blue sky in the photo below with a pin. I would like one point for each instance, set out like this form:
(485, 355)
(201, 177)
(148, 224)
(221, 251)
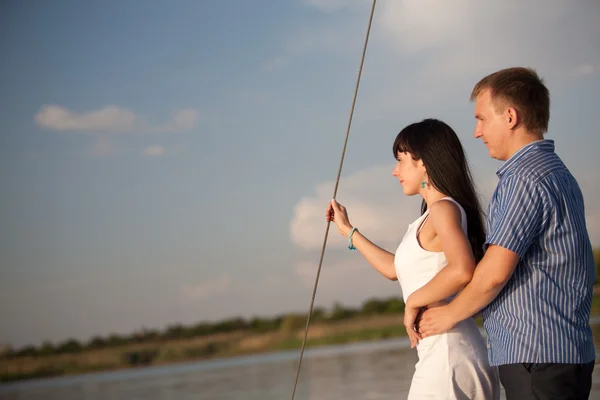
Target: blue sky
(170, 162)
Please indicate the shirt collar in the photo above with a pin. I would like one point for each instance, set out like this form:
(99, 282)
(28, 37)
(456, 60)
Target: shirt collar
(545, 145)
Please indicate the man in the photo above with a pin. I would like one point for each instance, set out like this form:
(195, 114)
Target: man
(534, 284)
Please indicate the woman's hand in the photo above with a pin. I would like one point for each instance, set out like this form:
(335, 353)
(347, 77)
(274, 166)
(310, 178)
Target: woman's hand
(338, 214)
(410, 319)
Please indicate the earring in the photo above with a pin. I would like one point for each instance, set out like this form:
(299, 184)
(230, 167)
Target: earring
(423, 184)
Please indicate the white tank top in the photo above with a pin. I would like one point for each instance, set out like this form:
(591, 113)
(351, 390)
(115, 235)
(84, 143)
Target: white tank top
(416, 266)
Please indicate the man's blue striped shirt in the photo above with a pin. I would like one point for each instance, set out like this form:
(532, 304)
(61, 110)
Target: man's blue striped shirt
(542, 314)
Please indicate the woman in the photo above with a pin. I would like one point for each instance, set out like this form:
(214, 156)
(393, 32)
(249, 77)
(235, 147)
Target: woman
(435, 260)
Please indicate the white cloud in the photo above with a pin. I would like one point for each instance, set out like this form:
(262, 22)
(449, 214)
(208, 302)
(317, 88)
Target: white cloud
(206, 289)
(418, 25)
(375, 205)
(183, 120)
(443, 48)
(154, 151)
(436, 42)
(583, 70)
(110, 119)
(425, 54)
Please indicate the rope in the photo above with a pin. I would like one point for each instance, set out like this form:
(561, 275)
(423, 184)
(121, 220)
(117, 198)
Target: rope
(337, 181)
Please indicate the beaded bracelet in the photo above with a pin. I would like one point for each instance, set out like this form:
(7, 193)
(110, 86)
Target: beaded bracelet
(350, 245)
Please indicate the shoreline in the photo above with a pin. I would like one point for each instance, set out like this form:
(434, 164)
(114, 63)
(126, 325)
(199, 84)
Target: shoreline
(214, 347)
(339, 334)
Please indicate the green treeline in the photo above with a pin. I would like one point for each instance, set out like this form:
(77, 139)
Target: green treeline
(286, 322)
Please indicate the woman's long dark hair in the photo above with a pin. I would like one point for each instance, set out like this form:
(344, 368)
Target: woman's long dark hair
(443, 156)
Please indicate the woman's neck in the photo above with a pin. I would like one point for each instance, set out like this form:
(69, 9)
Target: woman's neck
(431, 195)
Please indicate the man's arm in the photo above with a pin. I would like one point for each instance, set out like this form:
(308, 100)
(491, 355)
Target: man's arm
(518, 221)
(490, 277)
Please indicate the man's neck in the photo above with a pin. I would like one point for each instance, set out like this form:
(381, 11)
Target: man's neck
(522, 138)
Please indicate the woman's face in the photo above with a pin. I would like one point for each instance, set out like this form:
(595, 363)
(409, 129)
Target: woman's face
(410, 173)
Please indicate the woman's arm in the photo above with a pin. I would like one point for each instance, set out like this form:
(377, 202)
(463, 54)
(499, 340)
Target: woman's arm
(446, 219)
(380, 259)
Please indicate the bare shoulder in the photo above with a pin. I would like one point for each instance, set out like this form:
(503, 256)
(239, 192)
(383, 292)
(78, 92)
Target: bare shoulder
(444, 212)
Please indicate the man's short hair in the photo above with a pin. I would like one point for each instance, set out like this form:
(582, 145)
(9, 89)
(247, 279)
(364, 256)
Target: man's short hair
(522, 89)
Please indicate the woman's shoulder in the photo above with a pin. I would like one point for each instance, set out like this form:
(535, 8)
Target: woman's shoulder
(446, 209)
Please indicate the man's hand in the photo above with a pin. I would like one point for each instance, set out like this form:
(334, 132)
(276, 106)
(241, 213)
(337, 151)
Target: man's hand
(491, 275)
(435, 321)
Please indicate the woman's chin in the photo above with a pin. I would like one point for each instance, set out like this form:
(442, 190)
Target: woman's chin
(409, 192)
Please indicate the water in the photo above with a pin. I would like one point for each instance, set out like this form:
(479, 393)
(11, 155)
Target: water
(377, 370)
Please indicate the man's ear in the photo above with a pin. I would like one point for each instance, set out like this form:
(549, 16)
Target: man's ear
(512, 117)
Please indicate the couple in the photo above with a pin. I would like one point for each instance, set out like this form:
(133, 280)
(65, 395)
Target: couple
(531, 277)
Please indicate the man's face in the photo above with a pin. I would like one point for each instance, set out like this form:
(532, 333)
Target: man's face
(491, 127)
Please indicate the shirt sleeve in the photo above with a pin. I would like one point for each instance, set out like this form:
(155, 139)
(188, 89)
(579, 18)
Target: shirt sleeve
(519, 218)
